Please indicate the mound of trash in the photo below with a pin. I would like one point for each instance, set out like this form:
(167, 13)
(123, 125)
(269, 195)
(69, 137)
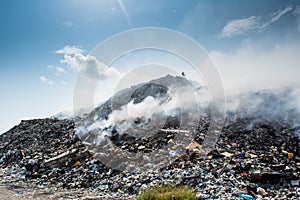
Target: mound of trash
(253, 158)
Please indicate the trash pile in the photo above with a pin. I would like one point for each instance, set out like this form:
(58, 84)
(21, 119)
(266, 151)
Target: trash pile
(258, 162)
(253, 158)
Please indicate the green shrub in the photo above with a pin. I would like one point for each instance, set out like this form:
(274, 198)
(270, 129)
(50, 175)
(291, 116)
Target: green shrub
(167, 192)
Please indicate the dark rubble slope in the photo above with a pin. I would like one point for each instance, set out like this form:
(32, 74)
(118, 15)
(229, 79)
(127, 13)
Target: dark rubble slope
(257, 157)
(157, 88)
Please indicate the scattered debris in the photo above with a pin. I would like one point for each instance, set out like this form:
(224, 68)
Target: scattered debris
(47, 152)
(253, 158)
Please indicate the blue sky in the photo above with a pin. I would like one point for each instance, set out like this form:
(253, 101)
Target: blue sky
(37, 81)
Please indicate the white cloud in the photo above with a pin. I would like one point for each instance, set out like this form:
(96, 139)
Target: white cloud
(275, 17)
(57, 70)
(297, 11)
(89, 66)
(70, 50)
(67, 24)
(240, 26)
(113, 9)
(43, 79)
(251, 24)
(90, 72)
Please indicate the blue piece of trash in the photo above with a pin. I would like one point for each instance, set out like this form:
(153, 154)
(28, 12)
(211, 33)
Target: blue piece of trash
(94, 169)
(240, 154)
(247, 197)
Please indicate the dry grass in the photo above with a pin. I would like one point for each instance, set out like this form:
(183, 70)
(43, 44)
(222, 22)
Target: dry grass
(167, 192)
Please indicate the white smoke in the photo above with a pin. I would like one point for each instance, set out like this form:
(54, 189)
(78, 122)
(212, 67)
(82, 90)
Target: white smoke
(253, 68)
(258, 83)
(261, 81)
(128, 113)
(151, 112)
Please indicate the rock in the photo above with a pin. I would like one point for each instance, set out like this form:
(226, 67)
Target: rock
(141, 147)
(261, 191)
(227, 154)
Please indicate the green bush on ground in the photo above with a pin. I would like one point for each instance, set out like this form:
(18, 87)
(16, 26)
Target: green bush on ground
(167, 192)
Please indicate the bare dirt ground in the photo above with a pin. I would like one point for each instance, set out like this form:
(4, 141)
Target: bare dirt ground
(13, 192)
(9, 193)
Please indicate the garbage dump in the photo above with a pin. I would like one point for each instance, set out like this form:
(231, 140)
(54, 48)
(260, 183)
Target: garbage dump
(244, 162)
(253, 159)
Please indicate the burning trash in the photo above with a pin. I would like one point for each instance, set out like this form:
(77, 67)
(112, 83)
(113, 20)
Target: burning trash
(254, 157)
